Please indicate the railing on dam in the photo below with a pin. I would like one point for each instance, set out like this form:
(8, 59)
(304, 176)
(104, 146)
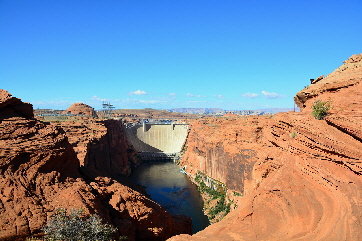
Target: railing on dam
(159, 156)
(163, 141)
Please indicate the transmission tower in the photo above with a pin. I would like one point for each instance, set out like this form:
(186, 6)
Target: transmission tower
(107, 109)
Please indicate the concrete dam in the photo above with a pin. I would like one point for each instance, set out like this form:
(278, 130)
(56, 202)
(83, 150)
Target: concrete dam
(157, 141)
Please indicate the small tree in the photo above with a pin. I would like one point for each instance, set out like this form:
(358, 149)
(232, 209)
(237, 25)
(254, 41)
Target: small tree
(76, 226)
(320, 109)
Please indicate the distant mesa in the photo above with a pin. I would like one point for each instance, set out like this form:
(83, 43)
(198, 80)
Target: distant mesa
(80, 109)
(229, 114)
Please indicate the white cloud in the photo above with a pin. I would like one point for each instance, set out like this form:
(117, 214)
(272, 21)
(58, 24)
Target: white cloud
(130, 101)
(191, 95)
(272, 95)
(219, 96)
(94, 97)
(138, 92)
(172, 96)
(56, 103)
(250, 95)
(149, 101)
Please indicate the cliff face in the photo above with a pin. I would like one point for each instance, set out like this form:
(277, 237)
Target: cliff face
(301, 177)
(224, 149)
(101, 146)
(39, 173)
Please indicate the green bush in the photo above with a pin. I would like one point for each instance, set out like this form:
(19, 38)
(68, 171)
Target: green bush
(293, 134)
(237, 194)
(76, 226)
(220, 208)
(320, 109)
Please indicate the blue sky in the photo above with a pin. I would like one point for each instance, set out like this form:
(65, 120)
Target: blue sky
(160, 54)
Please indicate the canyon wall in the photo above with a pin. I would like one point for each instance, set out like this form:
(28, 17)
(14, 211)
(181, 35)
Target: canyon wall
(47, 166)
(301, 178)
(102, 147)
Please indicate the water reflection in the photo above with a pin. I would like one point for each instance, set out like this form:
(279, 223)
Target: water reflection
(171, 189)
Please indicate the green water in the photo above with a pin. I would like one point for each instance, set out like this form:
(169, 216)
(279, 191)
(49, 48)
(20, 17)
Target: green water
(172, 189)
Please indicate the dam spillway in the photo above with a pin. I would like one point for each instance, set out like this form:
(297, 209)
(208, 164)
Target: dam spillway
(157, 141)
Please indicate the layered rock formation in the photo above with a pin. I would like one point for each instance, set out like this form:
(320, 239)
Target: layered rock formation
(39, 172)
(80, 109)
(301, 178)
(348, 74)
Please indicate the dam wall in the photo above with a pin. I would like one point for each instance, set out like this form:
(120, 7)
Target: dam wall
(157, 140)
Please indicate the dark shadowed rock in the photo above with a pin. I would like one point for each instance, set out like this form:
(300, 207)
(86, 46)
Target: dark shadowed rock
(13, 107)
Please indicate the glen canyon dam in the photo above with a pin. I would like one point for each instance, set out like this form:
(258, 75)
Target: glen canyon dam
(157, 141)
(286, 176)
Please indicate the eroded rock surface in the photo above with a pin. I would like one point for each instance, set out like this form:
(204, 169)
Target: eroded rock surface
(39, 172)
(301, 178)
(348, 74)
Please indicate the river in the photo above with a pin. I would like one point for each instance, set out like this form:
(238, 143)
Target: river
(172, 189)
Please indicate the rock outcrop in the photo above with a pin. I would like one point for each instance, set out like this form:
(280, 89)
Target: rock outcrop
(13, 107)
(348, 74)
(301, 178)
(80, 109)
(39, 172)
(102, 147)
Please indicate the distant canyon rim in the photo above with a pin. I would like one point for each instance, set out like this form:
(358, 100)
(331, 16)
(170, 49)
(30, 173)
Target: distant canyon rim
(288, 176)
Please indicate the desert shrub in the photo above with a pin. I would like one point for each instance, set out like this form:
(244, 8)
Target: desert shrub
(221, 207)
(293, 134)
(237, 194)
(320, 109)
(76, 226)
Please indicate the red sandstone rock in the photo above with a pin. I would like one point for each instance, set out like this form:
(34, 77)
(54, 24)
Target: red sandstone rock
(348, 74)
(301, 177)
(101, 146)
(39, 173)
(80, 109)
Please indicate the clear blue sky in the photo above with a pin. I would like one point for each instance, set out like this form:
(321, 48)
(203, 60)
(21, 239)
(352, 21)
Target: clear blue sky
(162, 54)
